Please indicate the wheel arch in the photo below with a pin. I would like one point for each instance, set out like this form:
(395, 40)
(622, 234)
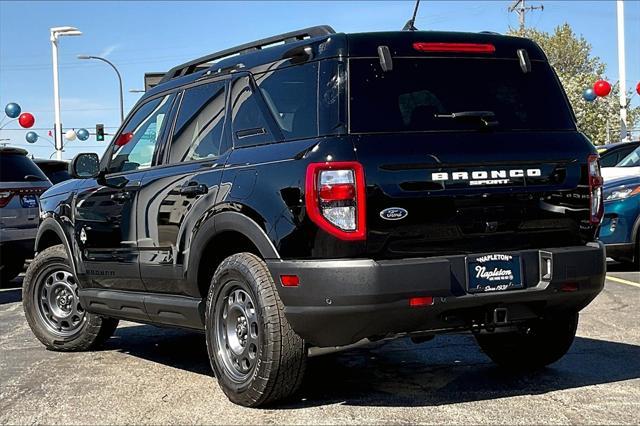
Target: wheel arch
(50, 233)
(226, 233)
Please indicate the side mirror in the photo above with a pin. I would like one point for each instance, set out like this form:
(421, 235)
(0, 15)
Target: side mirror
(85, 166)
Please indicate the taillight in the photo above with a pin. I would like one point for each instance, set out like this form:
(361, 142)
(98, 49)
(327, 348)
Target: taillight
(335, 198)
(484, 48)
(5, 197)
(596, 208)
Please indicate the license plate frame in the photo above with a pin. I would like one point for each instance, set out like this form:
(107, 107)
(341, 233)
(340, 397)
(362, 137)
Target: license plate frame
(494, 273)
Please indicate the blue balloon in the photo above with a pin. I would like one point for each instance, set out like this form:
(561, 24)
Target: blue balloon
(589, 95)
(12, 110)
(31, 137)
(82, 134)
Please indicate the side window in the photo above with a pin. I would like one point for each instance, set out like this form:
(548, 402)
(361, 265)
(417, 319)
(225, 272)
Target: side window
(248, 122)
(292, 96)
(199, 127)
(133, 149)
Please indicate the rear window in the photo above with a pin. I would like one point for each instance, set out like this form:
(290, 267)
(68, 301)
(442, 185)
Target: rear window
(18, 168)
(420, 94)
(56, 172)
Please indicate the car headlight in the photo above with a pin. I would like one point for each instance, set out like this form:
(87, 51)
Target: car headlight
(621, 192)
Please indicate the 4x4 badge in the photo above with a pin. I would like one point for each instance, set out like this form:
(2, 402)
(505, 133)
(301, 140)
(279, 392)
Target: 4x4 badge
(393, 213)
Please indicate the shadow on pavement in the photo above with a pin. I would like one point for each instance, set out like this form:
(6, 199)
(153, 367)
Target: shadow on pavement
(10, 295)
(447, 370)
(403, 374)
(173, 347)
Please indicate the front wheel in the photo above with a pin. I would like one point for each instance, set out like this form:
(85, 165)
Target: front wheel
(256, 356)
(539, 344)
(52, 307)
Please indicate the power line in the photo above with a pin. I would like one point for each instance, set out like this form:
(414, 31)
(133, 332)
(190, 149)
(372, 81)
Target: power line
(521, 9)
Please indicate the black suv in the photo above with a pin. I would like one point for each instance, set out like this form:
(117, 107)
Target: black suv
(315, 190)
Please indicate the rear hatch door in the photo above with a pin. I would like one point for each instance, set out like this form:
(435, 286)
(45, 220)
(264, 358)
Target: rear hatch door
(467, 153)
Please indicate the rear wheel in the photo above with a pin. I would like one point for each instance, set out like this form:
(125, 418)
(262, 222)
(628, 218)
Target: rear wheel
(52, 306)
(541, 343)
(256, 356)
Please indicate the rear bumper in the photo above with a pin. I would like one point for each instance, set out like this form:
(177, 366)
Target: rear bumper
(17, 243)
(339, 302)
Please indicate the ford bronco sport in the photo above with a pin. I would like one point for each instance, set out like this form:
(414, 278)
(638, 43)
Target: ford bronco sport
(316, 190)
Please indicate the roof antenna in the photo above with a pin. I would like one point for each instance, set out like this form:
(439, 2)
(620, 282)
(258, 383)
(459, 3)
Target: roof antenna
(409, 26)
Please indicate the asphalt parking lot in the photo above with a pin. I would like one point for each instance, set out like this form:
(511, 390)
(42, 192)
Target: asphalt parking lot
(151, 375)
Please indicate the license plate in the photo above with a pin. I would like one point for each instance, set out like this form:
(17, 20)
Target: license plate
(29, 201)
(494, 272)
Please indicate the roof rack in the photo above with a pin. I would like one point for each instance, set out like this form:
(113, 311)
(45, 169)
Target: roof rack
(196, 64)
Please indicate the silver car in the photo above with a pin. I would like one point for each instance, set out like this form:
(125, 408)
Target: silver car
(21, 183)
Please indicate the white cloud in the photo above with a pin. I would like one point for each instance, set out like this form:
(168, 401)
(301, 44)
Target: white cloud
(109, 50)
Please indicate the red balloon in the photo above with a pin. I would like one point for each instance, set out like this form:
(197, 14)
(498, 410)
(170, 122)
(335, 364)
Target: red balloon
(26, 120)
(638, 88)
(602, 88)
(124, 139)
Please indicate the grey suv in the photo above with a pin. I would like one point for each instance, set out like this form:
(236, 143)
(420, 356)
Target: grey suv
(21, 183)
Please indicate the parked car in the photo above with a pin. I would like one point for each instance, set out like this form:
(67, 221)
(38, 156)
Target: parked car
(56, 170)
(612, 154)
(21, 183)
(620, 230)
(628, 166)
(241, 199)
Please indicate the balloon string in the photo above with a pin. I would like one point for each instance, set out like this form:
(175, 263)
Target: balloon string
(5, 124)
(48, 140)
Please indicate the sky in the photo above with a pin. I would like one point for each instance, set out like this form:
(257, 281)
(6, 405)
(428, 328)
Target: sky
(150, 36)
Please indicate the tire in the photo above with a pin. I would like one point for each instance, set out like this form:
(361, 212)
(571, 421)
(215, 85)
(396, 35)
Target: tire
(256, 356)
(53, 310)
(543, 342)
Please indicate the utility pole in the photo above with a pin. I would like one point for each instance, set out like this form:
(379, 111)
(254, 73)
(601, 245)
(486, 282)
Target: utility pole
(624, 135)
(519, 7)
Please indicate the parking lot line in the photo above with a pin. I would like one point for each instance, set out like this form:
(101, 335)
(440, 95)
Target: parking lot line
(623, 281)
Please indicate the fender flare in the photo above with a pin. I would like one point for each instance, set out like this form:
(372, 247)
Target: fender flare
(219, 223)
(50, 224)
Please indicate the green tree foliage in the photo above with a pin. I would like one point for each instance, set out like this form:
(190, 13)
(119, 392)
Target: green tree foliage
(578, 69)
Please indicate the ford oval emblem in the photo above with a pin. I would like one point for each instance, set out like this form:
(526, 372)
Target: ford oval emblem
(393, 213)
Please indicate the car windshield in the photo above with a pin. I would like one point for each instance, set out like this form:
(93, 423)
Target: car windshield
(631, 160)
(453, 94)
(18, 168)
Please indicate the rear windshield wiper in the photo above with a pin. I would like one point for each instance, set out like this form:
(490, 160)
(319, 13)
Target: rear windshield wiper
(488, 118)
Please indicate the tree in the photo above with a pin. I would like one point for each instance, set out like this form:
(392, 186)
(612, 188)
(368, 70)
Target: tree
(578, 69)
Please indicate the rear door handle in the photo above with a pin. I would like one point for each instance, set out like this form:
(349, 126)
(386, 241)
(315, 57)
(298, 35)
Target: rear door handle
(193, 189)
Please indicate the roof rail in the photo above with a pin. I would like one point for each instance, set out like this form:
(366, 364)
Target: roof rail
(195, 64)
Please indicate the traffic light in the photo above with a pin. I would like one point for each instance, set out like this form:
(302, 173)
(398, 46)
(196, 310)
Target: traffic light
(100, 132)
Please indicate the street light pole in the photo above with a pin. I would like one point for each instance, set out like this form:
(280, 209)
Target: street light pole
(57, 125)
(119, 79)
(622, 71)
